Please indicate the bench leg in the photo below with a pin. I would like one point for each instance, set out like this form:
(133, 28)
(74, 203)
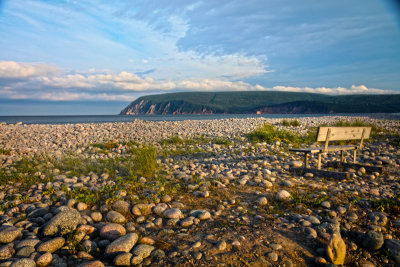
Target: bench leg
(319, 161)
(341, 156)
(354, 156)
(305, 160)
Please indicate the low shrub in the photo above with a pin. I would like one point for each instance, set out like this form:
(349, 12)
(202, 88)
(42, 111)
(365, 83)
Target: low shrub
(269, 134)
(293, 122)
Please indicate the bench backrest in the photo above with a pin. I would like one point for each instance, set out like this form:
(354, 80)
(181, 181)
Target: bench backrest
(342, 133)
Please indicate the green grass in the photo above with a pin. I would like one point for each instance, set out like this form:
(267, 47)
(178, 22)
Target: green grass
(23, 171)
(293, 122)
(221, 141)
(123, 170)
(390, 205)
(144, 160)
(395, 140)
(106, 146)
(177, 140)
(269, 134)
(4, 151)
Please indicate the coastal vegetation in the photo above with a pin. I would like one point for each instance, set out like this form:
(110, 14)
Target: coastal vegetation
(269, 133)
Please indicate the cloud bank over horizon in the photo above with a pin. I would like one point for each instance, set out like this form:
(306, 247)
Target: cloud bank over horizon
(119, 50)
(39, 81)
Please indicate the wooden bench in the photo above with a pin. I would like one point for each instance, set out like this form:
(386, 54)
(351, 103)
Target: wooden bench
(329, 134)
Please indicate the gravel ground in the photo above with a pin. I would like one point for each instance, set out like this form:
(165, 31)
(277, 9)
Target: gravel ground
(217, 200)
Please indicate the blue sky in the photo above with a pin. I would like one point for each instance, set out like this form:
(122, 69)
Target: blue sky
(61, 57)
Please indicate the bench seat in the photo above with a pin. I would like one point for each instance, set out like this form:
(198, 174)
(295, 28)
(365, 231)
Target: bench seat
(321, 149)
(327, 134)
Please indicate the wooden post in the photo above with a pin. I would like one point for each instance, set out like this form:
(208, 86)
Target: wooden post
(354, 156)
(319, 161)
(341, 156)
(305, 160)
(328, 136)
(362, 138)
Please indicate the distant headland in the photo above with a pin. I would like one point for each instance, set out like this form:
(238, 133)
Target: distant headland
(261, 102)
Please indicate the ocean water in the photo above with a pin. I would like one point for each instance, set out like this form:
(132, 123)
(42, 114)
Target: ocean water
(73, 119)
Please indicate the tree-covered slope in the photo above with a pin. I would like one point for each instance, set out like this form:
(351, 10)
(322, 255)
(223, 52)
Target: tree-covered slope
(261, 102)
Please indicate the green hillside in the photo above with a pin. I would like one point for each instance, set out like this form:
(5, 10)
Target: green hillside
(262, 101)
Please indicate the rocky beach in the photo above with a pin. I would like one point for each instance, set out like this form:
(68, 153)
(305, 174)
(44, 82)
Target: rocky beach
(201, 193)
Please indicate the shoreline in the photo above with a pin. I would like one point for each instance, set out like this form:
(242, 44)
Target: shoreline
(79, 119)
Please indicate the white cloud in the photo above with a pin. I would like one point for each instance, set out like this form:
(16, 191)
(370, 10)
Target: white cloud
(354, 89)
(40, 81)
(14, 70)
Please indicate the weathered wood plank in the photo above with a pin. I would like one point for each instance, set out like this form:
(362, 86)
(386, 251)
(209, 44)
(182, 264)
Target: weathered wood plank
(343, 133)
(368, 168)
(321, 173)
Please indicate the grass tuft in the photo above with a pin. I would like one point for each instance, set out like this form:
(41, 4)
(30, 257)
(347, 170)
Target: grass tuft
(269, 134)
(4, 151)
(144, 161)
(293, 122)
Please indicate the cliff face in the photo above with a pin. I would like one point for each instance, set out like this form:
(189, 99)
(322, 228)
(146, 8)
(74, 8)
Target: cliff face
(147, 107)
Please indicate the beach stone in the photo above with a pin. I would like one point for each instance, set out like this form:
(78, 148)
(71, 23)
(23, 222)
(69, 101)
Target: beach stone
(6, 252)
(121, 206)
(44, 259)
(123, 259)
(296, 164)
(282, 195)
(51, 245)
(27, 242)
(96, 216)
(87, 229)
(91, 264)
(166, 199)
(40, 212)
(262, 201)
(157, 254)
(63, 223)
(187, 221)
(371, 240)
(136, 260)
(221, 245)
(201, 214)
(273, 256)
(173, 213)
(9, 233)
(81, 206)
(341, 210)
(275, 246)
(336, 249)
(378, 218)
(141, 209)
(24, 252)
(112, 231)
(143, 250)
(115, 217)
(84, 256)
(309, 175)
(23, 263)
(159, 208)
(89, 246)
(311, 233)
(314, 220)
(147, 240)
(123, 244)
(326, 204)
(393, 246)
